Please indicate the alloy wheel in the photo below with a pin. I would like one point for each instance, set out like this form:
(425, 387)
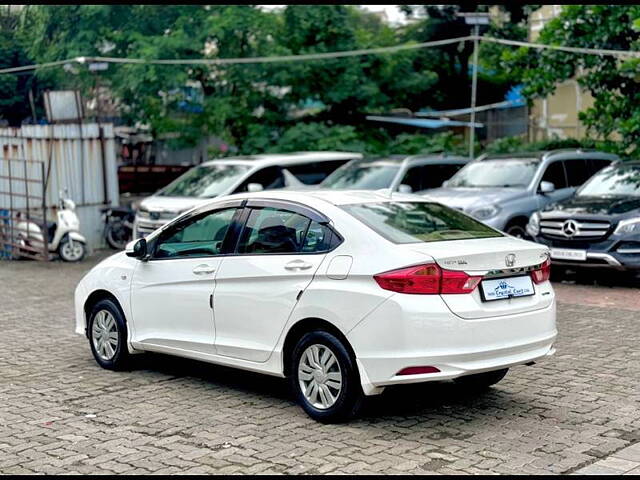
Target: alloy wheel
(72, 251)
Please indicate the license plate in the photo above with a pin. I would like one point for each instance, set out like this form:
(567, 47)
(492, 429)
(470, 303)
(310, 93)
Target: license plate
(510, 287)
(567, 254)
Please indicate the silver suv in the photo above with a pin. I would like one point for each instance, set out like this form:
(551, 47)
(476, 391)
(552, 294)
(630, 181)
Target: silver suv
(504, 190)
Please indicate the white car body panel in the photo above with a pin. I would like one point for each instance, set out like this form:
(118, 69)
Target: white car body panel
(255, 305)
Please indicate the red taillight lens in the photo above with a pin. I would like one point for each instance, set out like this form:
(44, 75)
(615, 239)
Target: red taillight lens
(418, 279)
(458, 282)
(542, 273)
(427, 279)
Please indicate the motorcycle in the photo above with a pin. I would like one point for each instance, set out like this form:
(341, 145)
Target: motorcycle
(118, 226)
(63, 236)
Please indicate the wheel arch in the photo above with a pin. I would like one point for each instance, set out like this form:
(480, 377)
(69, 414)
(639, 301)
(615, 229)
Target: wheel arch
(93, 299)
(520, 219)
(306, 325)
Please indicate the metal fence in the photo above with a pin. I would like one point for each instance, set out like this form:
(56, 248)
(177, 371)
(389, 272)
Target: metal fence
(79, 158)
(22, 203)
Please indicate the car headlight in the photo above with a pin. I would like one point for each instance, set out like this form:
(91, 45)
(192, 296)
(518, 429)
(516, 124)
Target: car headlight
(486, 212)
(628, 227)
(142, 213)
(533, 227)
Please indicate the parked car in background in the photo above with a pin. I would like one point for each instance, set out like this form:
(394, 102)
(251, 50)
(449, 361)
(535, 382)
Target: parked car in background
(293, 284)
(599, 226)
(233, 175)
(397, 172)
(504, 190)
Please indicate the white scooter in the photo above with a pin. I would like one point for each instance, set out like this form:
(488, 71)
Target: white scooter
(62, 236)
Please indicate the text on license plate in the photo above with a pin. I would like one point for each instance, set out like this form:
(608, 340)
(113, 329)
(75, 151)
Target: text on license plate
(501, 288)
(567, 254)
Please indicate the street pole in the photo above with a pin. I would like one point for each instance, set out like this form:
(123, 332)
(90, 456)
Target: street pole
(474, 86)
(476, 19)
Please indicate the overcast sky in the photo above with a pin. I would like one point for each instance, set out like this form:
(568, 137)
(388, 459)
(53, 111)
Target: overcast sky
(393, 13)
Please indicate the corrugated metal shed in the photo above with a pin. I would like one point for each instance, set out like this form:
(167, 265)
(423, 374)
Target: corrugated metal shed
(73, 155)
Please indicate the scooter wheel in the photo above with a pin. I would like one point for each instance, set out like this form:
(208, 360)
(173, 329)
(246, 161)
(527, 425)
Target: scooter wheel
(71, 251)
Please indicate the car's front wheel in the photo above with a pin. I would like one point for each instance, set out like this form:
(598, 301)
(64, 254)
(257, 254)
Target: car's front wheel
(480, 381)
(107, 333)
(324, 378)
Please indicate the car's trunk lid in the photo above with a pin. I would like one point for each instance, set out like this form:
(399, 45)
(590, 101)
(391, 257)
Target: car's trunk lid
(492, 258)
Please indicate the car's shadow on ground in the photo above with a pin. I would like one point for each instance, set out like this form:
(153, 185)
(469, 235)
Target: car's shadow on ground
(414, 400)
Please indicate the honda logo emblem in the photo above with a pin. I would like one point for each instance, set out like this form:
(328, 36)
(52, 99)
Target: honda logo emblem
(510, 260)
(569, 228)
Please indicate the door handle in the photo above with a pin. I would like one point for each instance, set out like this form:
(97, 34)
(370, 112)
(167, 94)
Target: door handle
(298, 265)
(203, 269)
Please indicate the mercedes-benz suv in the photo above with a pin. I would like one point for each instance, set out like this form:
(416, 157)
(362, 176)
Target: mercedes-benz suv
(599, 226)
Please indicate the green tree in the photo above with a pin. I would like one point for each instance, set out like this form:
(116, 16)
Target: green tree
(15, 88)
(613, 83)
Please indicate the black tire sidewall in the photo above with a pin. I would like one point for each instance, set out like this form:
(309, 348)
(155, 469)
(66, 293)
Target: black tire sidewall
(111, 228)
(518, 227)
(120, 359)
(351, 396)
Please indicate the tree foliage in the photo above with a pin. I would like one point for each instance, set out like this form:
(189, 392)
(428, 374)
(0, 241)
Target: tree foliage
(291, 105)
(613, 83)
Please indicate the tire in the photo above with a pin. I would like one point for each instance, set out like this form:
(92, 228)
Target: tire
(98, 323)
(516, 230)
(71, 252)
(347, 400)
(481, 381)
(117, 236)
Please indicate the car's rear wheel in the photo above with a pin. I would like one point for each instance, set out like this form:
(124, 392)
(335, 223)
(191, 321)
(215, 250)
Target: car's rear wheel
(108, 335)
(480, 381)
(324, 378)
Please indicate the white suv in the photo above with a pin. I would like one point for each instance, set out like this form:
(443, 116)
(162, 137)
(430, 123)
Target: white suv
(234, 175)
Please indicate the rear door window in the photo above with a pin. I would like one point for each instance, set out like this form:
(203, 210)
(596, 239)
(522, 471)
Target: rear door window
(271, 230)
(415, 222)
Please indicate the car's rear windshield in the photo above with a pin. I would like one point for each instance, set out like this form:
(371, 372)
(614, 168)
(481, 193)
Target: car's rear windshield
(415, 222)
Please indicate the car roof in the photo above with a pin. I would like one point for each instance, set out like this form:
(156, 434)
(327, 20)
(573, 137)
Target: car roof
(334, 197)
(411, 159)
(294, 158)
(547, 154)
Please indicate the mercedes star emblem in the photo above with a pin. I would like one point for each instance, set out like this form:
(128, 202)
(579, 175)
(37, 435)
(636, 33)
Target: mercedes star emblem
(569, 228)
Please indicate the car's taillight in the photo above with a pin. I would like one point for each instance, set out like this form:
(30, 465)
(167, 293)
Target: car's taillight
(427, 279)
(542, 273)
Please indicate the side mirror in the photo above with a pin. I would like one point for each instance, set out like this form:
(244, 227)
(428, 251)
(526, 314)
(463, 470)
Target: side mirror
(445, 183)
(137, 248)
(404, 188)
(255, 187)
(547, 187)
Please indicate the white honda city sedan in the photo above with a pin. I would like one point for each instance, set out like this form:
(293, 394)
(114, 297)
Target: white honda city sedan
(343, 293)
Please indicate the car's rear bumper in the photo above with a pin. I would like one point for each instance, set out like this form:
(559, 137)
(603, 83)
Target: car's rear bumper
(386, 343)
